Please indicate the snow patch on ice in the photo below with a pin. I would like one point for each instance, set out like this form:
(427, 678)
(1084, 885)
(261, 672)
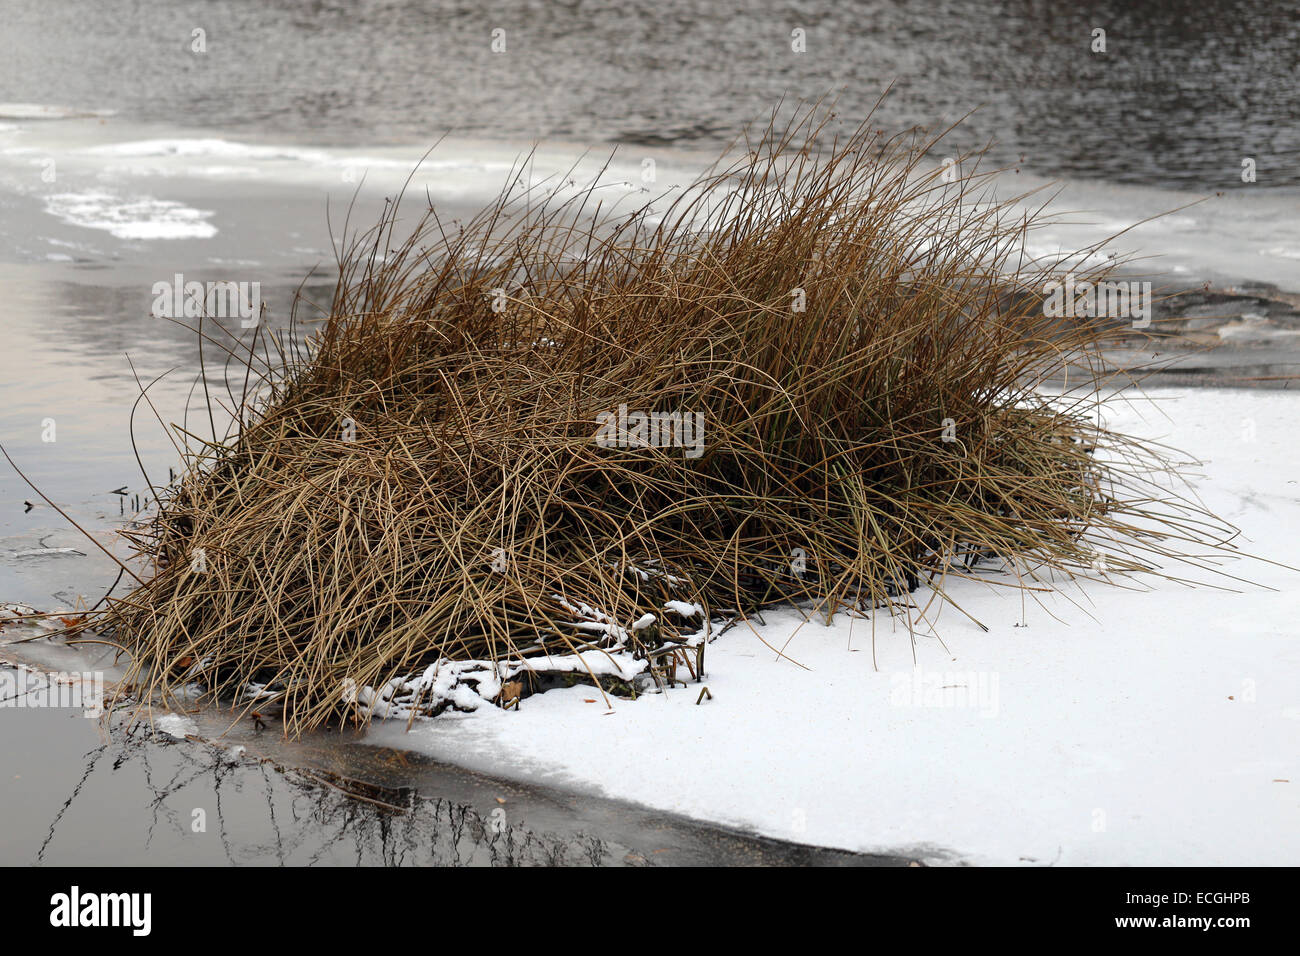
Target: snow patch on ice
(142, 217)
(176, 726)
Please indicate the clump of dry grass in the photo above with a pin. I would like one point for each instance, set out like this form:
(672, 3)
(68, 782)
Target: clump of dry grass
(424, 481)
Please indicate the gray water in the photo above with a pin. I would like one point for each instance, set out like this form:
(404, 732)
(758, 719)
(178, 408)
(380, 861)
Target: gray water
(1183, 92)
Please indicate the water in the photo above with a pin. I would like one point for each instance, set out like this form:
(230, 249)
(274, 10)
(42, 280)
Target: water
(126, 158)
(1183, 91)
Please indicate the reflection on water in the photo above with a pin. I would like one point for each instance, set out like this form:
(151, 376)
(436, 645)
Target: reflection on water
(252, 812)
(76, 791)
(77, 354)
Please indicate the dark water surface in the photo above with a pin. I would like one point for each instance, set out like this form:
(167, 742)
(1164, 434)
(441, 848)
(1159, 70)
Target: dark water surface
(1184, 91)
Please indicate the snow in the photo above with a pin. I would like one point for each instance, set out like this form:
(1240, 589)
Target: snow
(138, 217)
(684, 609)
(1256, 330)
(1153, 725)
(600, 663)
(176, 726)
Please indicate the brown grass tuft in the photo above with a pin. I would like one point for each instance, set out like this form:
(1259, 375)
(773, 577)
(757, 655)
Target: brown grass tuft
(424, 481)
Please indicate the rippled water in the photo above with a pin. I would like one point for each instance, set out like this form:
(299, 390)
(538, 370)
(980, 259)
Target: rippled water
(1183, 92)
